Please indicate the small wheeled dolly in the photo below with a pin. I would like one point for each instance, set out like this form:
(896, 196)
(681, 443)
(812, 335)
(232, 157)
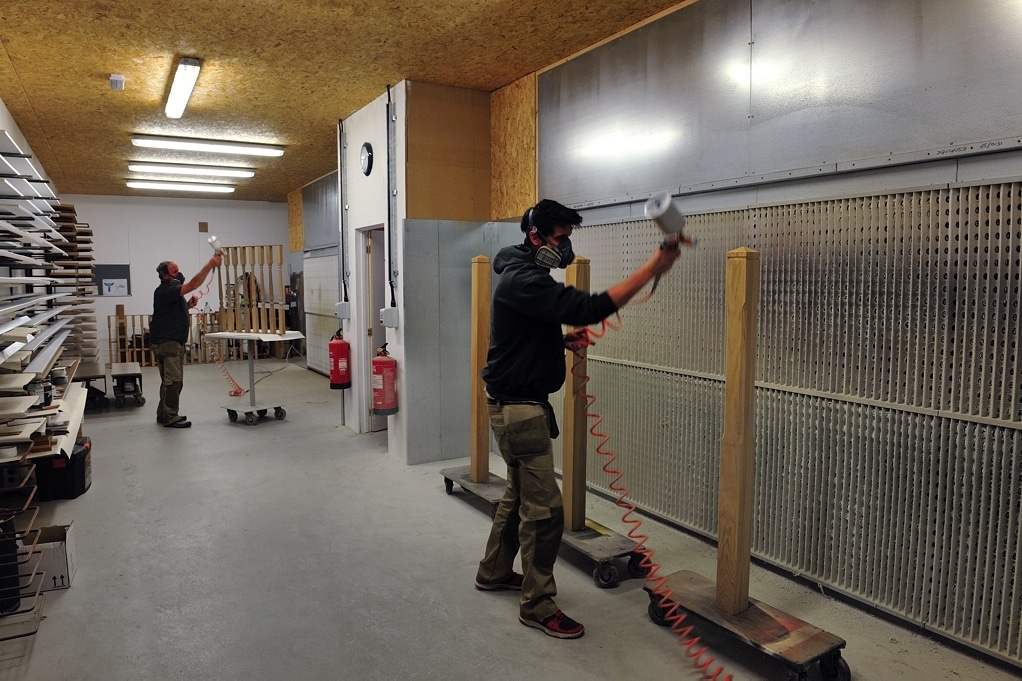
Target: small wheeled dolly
(603, 546)
(594, 541)
(127, 383)
(796, 644)
(254, 412)
(491, 490)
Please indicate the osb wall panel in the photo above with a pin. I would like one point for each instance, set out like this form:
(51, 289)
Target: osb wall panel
(295, 227)
(448, 147)
(513, 157)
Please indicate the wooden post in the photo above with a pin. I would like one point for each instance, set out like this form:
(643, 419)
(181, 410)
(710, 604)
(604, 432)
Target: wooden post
(737, 445)
(573, 444)
(271, 293)
(262, 288)
(220, 289)
(479, 466)
(282, 309)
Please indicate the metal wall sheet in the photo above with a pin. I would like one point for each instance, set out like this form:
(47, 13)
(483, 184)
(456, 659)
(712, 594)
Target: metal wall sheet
(320, 217)
(437, 281)
(722, 94)
(650, 108)
(321, 289)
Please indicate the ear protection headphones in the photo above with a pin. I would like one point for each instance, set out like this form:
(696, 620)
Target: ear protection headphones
(546, 255)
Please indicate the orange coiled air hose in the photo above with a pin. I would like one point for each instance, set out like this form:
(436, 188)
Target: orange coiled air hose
(672, 611)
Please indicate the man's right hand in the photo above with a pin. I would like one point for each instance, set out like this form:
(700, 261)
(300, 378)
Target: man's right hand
(663, 258)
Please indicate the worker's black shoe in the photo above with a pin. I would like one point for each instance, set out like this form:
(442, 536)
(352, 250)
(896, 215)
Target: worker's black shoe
(182, 417)
(557, 625)
(512, 583)
(181, 422)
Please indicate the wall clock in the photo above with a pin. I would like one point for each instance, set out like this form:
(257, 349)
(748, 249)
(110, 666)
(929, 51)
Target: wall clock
(366, 156)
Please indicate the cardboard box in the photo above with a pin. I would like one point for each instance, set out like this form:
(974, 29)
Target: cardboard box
(56, 547)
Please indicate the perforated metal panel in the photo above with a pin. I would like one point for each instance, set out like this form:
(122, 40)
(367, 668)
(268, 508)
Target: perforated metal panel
(888, 412)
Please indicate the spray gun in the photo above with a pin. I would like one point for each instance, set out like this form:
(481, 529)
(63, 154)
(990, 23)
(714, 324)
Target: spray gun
(215, 244)
(660, 209)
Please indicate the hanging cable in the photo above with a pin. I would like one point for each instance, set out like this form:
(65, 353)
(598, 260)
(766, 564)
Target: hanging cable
(672, 611)
(211, 347)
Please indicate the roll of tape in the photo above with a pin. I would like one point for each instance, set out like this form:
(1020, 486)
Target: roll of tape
(661, 209)
(8, 452)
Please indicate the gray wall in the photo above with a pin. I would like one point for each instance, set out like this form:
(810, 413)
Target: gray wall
(437, 281)
(724, 93)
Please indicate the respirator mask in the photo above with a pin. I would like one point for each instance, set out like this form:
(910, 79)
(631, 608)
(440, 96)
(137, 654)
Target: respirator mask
(180, 277)
(559, 256)
(548, 255)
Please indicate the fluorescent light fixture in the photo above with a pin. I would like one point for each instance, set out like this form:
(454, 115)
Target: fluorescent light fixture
(181, 186)
(186, 169)
(181, 89)
(213, 146)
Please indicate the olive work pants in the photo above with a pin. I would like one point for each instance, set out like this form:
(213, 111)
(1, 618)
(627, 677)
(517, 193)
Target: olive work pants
(530, 516)
(170, 358)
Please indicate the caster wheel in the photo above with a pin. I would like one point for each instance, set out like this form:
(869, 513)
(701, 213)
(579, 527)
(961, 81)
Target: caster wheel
(251, 418)
(262, 413)
(636, 570)
(119, 401)
(834, 667)
(605, 575)
(279, 413)
(140, 400)
(232, 415)
(448, 485)
(657, 615)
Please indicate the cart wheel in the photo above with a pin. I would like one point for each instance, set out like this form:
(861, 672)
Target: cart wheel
(139, 400)
(835, 667)
(636, 569)
(251, 418)
(448, 485)
(606, 575)
(657, 614)
(119, 400)
(279, 413)
(262, 413)
(232, 415)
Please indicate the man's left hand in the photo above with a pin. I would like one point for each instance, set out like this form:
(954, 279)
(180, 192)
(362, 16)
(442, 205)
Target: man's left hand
(576, 340)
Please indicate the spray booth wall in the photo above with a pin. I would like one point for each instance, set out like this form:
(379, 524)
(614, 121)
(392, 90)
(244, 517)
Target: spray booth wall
(888, 399)
(437, 280)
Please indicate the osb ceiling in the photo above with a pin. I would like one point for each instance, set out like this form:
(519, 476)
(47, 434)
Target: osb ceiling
(274, 71)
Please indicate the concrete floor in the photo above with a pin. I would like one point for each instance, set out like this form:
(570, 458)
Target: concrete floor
(296, 549)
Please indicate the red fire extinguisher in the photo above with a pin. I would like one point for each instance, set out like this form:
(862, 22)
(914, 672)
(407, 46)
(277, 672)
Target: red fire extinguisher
(384, 383)
(340, 352)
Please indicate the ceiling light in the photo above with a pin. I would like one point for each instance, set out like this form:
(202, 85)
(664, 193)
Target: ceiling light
(181, 186)
(214, 146)
(181, 89)
(185, 169)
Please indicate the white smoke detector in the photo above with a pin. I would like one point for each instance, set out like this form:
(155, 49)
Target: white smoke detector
(116, 81)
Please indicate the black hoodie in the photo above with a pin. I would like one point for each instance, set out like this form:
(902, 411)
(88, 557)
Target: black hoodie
(526, 356)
